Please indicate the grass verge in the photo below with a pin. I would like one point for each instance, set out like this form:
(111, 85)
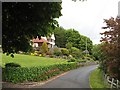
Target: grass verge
(96, 80)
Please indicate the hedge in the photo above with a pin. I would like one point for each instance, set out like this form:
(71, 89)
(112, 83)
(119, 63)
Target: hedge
(23, 74)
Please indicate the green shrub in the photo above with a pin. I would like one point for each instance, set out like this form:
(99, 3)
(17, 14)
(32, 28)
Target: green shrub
(81, 61)
(21, 74)
(65, 51)
(43, 54)
(40, 55)
(12, 65)
(44, 47)
(57, 52)
(72, 60)
(65, 57)
(70, 56)
(51, 56)
(49, 53)
(32, 54)
(75, 52)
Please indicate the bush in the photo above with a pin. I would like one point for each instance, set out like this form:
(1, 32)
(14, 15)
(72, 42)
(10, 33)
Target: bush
(49, 53)
(51, 56)
(65, 57)
(70, 56)
(21, 74)
(12, 65)
(81, 61)
(40, 55)
(57, 52)
(75, 52)
(72, 60)
(65, 51)
(43, 54)
(32, 54)
(44, 47)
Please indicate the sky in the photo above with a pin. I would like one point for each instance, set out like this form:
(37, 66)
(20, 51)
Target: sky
(87, 17)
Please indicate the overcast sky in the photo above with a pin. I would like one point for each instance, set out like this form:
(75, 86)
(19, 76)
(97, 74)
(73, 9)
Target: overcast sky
(87, 17)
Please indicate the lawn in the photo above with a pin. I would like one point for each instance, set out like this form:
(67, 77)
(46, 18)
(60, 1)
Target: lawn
(30, 61)
(96, 80)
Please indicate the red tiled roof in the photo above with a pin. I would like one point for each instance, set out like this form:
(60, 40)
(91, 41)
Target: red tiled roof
(39, 40)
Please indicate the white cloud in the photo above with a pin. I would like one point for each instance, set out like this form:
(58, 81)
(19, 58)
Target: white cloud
(87, 17)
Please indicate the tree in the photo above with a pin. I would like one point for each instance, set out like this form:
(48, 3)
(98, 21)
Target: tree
(69, 45)
(72, 36)
(23, 21)
(111, 38)
(60, 39)
(44, 47)
(96, 51)
(83, 41)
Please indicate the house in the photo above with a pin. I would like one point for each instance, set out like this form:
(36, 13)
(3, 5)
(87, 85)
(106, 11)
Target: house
(37, 42)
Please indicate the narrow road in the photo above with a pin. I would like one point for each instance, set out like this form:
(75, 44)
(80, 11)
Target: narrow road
(78, 78)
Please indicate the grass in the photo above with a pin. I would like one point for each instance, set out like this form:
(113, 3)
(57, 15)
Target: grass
(96, 80)
(30, 61)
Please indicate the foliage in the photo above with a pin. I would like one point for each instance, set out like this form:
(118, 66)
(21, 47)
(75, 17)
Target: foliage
(57, 51)
(35, 73)
(51, 56)
(44, 47)
(71, 38)
(81, 61)
(49, 53)
(65, 51)
(111, 48)
(75, 52)
(70, 56)
(69, 45)
(97, 52)
(36, 53)
(43, 54)
(24, 21)
(72, 60)
(7, 65)
(60, 39)
(82, 43)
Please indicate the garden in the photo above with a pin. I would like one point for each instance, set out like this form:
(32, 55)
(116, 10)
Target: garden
(41, 65)
(24, 68)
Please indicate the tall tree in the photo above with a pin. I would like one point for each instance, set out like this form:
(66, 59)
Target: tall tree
(73, 38)
(112, 47)
(82, 43)
(21, 21)
(60, 39)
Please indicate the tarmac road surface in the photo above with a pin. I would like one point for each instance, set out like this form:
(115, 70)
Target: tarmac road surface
(78, 78)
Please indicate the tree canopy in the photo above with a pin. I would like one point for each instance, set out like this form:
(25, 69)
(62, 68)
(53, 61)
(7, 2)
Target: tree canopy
(72, 38)
(60, 39)
(21, 21)
(111, 38)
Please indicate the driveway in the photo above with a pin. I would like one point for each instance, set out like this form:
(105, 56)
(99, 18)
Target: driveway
(78, 78)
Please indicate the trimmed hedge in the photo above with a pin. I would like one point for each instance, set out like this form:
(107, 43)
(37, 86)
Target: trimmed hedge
(22, 74)
(12, 65)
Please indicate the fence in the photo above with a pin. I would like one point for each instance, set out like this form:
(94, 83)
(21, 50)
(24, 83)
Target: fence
(114, 83)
